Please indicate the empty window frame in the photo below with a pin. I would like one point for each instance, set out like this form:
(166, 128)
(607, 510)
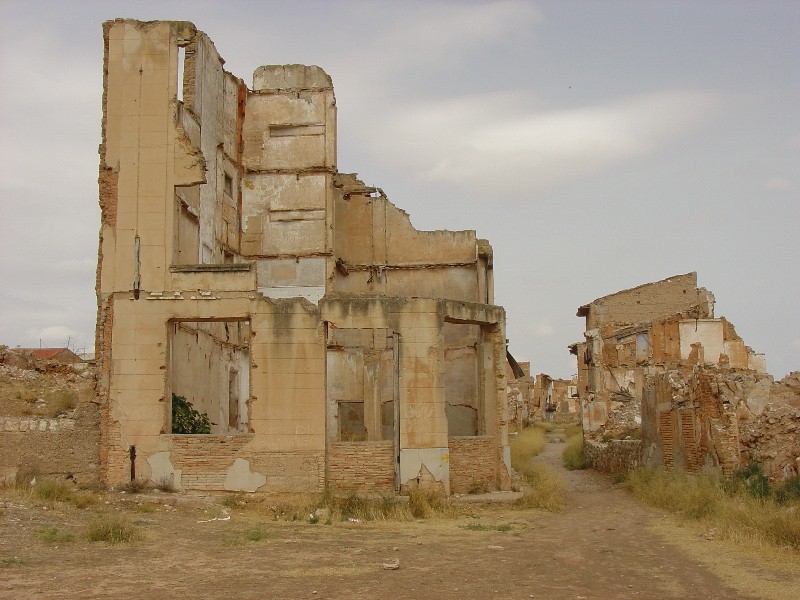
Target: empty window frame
(209, 368)
(361, 392)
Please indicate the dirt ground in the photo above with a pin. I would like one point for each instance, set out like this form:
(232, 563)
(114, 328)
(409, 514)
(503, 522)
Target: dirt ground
(603, 545)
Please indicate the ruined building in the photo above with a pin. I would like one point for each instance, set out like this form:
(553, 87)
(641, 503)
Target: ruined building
(327, 341)
(556, 400)
(663, 382)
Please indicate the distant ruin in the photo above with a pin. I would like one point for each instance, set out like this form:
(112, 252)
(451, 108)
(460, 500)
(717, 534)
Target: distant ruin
(662, 382)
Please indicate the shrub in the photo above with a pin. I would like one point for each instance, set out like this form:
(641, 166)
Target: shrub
(754, 480)
(166, 484)
(235, 500)
(788, 490)
(185, 419)
(111, 529)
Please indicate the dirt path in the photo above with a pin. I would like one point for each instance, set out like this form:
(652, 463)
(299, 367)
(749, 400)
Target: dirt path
(601, 546)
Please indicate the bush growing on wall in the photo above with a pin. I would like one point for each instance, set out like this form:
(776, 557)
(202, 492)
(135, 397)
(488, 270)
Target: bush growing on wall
(185, 419)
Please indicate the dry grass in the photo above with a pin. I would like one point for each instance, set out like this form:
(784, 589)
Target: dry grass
(545, 491)
(29, 393)
(526, 444)
(32, 489)
(573, 456)
(727, 509)
(136, 486)
(111, 529)
(61, 402)
(330, 507)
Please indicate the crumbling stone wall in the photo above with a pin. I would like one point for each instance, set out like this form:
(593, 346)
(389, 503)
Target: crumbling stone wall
(614, 456)
(769, 428)
(650, 301)
(66, 446)
(656, 363)
(722, 418)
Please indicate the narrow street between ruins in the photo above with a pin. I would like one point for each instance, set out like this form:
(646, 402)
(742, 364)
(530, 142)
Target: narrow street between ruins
(605, 544)
(602, 545)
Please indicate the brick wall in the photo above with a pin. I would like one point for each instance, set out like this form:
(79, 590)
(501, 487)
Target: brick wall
(204, 459)
(473, 464)
(364, 466)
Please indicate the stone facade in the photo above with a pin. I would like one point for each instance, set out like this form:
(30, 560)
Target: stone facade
(325, 339)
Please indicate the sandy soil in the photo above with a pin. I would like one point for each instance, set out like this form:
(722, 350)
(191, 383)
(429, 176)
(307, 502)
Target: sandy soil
(603, 545)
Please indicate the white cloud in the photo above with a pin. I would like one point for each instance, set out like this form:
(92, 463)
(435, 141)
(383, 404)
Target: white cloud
(496, 141)
(542, 328)
(53, 335)
(433, 32)
(796, 343)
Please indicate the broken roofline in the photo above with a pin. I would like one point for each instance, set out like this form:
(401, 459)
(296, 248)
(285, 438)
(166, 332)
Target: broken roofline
(583, 310)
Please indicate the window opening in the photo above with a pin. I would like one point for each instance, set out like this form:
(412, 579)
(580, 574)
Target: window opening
(209, 376)
(181, 60)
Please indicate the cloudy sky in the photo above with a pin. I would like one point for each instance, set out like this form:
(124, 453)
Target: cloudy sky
(597, 145)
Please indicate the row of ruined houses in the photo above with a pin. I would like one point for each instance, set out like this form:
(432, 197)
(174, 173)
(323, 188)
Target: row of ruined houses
(662, 382)
(541, 398)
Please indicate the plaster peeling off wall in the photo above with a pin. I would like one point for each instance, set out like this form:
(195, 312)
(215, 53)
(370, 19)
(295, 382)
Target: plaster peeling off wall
(239, 477)
(425, 467)
(162, 470)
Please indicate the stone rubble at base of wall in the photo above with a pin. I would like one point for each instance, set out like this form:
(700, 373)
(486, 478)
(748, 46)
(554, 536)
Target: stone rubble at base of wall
(614, 456)
(35, 425)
